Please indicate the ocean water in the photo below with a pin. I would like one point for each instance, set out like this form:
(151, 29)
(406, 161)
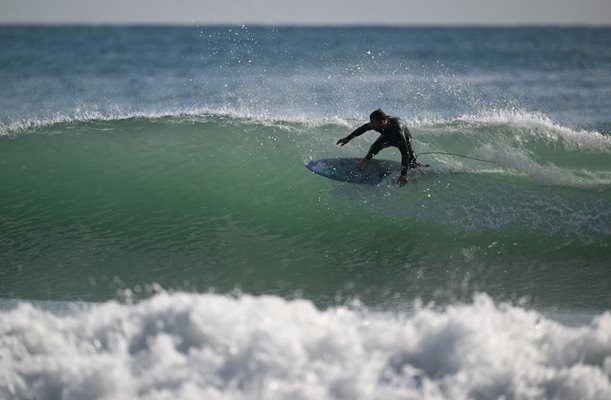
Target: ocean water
(161, 238)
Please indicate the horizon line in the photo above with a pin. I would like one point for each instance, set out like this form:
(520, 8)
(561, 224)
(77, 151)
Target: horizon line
(300, 25)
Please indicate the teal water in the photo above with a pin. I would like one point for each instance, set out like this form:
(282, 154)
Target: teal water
(218, 203)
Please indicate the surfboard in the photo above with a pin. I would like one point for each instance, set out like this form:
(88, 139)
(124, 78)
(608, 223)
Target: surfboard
(346, 170)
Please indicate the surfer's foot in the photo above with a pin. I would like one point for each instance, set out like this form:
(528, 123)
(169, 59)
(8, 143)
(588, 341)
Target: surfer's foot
(362, 164)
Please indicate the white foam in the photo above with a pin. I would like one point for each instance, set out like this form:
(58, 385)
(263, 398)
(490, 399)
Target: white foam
(19, 126)
(521, 124)
(516, 161)
(540, 125)
(535, 124)
(185, 346)
(515, 140)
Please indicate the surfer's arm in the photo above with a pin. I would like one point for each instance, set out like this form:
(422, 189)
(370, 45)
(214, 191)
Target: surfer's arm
(405, 148)
(408, 159)
(405, 161)
(357, 132)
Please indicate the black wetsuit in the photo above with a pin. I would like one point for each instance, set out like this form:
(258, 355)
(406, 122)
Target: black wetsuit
(396, 135)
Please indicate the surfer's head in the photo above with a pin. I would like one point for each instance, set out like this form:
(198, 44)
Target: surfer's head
(378, 119)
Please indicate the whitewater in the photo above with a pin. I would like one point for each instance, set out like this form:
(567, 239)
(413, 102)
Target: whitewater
(218, 347)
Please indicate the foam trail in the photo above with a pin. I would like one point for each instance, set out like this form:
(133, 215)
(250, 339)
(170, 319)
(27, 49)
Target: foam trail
(217, 347)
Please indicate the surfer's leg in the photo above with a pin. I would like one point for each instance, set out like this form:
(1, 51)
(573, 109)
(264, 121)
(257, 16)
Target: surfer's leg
(378, 145)
(375, 148)
(410, 152)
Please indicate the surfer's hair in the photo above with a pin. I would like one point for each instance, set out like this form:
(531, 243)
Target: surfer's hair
(378, 115)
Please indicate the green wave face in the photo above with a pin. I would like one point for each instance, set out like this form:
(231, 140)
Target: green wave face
(217, 202)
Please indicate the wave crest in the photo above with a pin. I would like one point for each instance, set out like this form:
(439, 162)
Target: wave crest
(521, 125)
(27, 125)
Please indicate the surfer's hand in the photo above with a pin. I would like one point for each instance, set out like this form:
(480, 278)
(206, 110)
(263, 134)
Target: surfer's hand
(402, 180)
(343, 141)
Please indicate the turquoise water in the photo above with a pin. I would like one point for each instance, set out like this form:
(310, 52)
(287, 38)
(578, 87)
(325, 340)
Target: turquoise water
(156, 211)
(214, 202)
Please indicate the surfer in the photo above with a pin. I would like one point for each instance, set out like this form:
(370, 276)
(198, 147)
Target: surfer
(393, 133)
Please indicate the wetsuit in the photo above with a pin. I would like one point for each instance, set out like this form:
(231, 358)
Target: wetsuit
(396, 135)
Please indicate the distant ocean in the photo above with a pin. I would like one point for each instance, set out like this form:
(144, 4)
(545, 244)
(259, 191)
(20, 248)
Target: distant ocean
(160, 237)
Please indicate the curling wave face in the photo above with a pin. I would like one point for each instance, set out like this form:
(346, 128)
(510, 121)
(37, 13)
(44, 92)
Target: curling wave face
(220, 199)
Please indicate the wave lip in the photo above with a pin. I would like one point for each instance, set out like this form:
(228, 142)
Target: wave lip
(522, 125)
(25, 125)
(212, 346)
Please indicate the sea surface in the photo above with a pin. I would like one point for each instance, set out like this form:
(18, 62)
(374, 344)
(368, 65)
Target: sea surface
(160, 237)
